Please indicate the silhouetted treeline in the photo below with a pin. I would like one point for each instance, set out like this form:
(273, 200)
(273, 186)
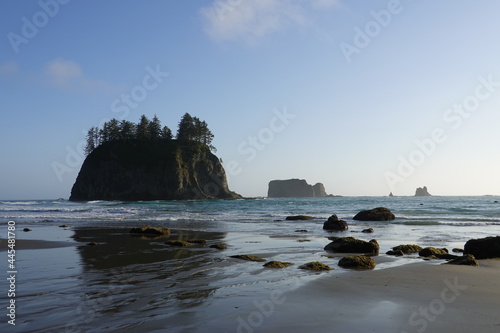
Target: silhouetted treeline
(189, 129)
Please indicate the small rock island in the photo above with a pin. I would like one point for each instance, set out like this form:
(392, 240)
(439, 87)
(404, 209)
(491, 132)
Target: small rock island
(422, 192)
(132, 162)
(295, 188)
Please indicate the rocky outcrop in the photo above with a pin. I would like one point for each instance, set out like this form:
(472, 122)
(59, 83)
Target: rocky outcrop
(422, 192)
(376, 214)
(353, 245)
(135, 170)
(319, 190)
(334, 224)
(483, 248)
(467, 259)
(295, 188)
(357, 262)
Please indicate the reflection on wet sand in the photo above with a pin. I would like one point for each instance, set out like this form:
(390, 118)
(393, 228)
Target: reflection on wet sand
(126, 277)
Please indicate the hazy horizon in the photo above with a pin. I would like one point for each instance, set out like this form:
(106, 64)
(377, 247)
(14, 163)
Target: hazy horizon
(367, 98)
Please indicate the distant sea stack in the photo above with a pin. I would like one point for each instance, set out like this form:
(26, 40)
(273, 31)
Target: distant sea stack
(136, 170)
(295, 188)
(422, 192)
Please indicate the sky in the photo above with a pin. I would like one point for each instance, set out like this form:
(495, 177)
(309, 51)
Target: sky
(366, 97)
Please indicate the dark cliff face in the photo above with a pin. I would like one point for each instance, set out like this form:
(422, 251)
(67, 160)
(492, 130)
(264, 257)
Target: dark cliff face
(297, 188)
(138, 170)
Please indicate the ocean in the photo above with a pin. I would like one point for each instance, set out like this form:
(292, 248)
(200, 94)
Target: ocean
(133, 284)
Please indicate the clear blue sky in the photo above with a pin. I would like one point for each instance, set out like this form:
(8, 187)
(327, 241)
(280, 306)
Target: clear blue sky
(366, 97)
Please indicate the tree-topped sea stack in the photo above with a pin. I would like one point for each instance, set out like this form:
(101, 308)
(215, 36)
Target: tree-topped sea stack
(132, 162)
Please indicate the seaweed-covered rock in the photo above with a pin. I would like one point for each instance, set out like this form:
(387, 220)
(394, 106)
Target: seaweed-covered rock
(299, 218)
(197, 241)
(407, 248)
(148, 230)
(368, 231)
(357, 262)
(376, 214)
(432, 251)
(179, 243)
(277, 264)
(353, 245)
(333, 223)
(248, 257)
(315, 266)
(397, 253)
(467, 259)
(219, 246)
(483, 248)
(457, 250)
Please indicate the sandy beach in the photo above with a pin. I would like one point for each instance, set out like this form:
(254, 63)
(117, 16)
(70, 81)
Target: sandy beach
(142, 284)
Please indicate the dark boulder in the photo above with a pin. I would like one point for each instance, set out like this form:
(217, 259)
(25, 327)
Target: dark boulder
(483, 248)
(353, 245)
(333, 223)
(432, 251)
(368, 231)
(376, 214)
(467, 259)
(357, 262)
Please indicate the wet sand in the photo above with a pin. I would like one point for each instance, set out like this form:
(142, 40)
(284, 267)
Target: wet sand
(421, 297)
(203, 290)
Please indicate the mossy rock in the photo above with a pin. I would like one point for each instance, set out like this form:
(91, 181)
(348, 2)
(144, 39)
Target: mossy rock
(467, 259)
(149, 230)
(219, 246)
(407, 248)
(432, 251)
(315, 266)
(277, 264)
(179, 243)
(397, 253)
(357, 262)
(197, 241)
(248, 257)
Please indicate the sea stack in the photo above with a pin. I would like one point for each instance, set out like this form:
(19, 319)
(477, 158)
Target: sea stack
(295, 188)
(135, 170)
(422, 192)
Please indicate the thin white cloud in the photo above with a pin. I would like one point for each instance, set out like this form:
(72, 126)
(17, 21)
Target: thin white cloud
(248, 20)
(68, 75)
